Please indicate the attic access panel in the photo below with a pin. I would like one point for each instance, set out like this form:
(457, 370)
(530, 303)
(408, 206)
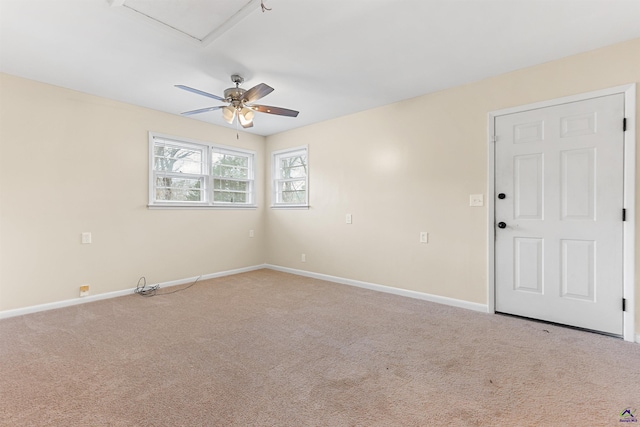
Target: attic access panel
(200, 20)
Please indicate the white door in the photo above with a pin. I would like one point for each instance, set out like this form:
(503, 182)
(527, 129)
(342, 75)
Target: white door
(559, 213)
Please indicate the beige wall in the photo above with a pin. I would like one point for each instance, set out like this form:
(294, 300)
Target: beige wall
(410, 167)
(73, 163)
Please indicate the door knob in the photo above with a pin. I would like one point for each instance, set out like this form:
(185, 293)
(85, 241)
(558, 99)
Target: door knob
(502, 224)
(501, 196)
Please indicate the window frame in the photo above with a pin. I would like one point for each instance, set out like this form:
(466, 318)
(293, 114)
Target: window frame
(207, 176)
(276, 179)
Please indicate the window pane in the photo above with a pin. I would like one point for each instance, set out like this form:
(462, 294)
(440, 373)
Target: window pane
(178, 189)
(223, 184)
(177, 159)
(229, 191)
(229, 197)
(230, 159)
(293, 167)
(293, 192)
(230, 166)
(225, 171)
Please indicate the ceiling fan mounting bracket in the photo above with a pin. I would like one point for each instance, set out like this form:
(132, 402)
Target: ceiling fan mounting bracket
(234, 95)
(237, 79)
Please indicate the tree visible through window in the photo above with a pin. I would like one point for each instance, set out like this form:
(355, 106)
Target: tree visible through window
(179, 173)
(290, 177)
(230, 178)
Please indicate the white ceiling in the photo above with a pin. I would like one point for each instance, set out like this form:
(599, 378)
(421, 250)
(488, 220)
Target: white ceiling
(325, 58)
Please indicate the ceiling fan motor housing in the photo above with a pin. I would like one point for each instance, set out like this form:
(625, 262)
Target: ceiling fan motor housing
(234, 94)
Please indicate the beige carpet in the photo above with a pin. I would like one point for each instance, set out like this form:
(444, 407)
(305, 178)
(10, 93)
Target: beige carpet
(267, 348)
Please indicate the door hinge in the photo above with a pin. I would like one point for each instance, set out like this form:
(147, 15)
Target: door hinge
(624, 124)
(624, 304)
(624, 214)
(493, 138)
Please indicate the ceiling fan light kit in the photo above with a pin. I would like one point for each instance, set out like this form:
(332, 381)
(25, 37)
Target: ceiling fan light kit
(240, 102)
(228, 113)
(246, 116)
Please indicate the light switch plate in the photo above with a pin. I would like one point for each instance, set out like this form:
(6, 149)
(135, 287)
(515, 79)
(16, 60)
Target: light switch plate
(476, 200)
(86, 237)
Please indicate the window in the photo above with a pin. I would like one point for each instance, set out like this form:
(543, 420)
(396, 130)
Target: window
(195, 174)
(231, 171)
(290, 171)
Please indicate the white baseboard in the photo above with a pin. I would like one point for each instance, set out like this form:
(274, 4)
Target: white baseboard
(382, 288)
(60, 304)
(391, 290)
(372, 286)
(67, 303)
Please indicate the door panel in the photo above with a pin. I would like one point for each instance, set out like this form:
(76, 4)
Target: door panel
(528, 265)
(559, 258)
(577, 181)
(528, 189)
(578, 269)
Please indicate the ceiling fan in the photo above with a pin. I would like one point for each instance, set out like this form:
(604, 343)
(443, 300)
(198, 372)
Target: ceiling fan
(241, 102)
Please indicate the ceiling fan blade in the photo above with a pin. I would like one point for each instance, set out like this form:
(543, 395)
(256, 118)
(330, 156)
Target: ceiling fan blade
(202, 110)
(257, 92)
(199, 92)
(274, 110)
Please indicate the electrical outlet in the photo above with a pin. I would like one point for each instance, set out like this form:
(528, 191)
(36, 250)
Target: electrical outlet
(349, 219)
(84, 290)
(251, 234)
(303, 258)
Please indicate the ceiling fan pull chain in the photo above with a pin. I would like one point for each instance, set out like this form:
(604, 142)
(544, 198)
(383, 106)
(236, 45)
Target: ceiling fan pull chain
(263, 6)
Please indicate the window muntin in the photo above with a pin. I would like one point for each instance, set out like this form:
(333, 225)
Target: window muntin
(290, 177)
(188, 173)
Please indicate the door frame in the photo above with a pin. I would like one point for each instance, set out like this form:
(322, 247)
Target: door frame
(629, 195)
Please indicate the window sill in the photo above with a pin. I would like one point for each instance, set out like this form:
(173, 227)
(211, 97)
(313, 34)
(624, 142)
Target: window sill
(289, 206)
(198, 207)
